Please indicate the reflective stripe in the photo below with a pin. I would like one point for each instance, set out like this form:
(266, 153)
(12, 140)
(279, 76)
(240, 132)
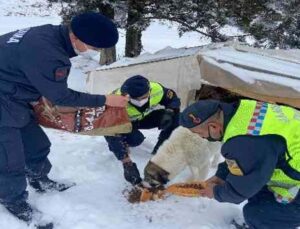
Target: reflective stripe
(280, 184)
(156, 95)
(146, 112)
(258, 118)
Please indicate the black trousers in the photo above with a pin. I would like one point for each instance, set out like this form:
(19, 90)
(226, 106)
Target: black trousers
(23, 152)
(118, 144)
(263, 212)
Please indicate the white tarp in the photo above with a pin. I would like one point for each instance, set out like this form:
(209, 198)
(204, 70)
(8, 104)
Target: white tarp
(174, 68)
(271, 75)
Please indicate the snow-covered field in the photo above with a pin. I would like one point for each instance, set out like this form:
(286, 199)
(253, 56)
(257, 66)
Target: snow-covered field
(96, 202)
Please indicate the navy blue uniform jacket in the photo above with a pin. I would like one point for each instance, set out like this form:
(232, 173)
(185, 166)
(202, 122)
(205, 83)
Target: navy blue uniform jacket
(256, 156)
(34, 62)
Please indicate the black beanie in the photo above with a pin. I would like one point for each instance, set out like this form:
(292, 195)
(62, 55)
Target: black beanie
(95, 30)
(135, 86)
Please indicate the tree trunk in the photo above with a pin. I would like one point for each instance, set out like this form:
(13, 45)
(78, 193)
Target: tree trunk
(133, 42)
(108, 55)
(134, 28)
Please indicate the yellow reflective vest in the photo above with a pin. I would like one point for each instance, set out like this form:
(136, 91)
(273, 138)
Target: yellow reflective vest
(156, 95)
(259, 118)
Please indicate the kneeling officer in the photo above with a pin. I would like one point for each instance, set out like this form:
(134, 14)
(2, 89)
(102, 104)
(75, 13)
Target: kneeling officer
(150, 106)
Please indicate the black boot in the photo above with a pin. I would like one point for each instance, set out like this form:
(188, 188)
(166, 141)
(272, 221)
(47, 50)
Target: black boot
(44, 184)
(23, 211)
(45, 226)
(238, 225)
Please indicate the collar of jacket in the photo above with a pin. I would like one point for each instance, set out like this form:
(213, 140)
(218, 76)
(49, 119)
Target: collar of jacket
(67, 42)
(229, 110)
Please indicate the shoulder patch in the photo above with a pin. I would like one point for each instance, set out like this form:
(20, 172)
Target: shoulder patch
(170, 94)
(61, 73)
(234, 167)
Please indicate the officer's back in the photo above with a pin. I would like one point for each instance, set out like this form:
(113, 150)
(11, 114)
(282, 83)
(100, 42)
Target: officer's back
(20, 49)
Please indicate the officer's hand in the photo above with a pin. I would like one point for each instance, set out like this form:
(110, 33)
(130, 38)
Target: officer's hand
(131, 173)
(167, 119)
(215, 180)
(208, 191)
(155, 175)
(116, 100)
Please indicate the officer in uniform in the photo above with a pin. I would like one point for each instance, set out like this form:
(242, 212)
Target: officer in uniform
(150, 106)
(262, 158)
(34, 62)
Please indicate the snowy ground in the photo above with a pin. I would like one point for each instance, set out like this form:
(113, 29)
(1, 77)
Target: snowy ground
(97, 201)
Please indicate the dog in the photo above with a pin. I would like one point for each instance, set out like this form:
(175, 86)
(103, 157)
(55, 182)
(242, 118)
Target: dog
(185, 149)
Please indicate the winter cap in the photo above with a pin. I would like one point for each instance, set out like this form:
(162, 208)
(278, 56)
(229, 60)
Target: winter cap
(135, 86)
(198, 112)
(95, 30)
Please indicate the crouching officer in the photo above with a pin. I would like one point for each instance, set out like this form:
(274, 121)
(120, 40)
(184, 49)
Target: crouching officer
(262, 152)
(34, 62)
(150, 106)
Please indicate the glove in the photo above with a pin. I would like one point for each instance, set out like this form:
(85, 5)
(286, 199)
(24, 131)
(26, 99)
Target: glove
(155, 175)
(167, 119)
(131, 173)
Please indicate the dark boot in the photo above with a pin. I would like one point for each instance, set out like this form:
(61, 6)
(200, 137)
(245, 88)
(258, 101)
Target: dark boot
(44, 184)
(23, 211)
(238, 225)
(45, 226)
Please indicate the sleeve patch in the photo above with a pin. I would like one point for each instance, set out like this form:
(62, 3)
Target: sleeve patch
(61, 73)
(234, 167)
(170, 94)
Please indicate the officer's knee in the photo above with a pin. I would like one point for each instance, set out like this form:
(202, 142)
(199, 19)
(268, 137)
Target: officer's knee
(135, 139)
(114, 143)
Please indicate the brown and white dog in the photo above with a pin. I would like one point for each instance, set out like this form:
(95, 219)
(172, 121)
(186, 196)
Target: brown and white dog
(182, 150)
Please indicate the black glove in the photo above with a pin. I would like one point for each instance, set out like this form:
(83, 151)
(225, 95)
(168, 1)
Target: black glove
(131, 173)
(167, 119)
(155, 175)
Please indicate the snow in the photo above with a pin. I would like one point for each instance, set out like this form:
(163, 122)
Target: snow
(97, 201)
(260, 62)
(251, 77)
(269, 67)
(28, 8)
(158, 39)
(163, 54)
(12, 23)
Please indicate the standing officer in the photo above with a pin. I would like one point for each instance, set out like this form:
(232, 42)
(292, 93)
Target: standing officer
(150, 106)
(34, 62)
(262, 152)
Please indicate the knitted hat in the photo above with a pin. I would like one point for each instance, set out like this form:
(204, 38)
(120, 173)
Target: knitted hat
(95, 30)
(135, 86)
